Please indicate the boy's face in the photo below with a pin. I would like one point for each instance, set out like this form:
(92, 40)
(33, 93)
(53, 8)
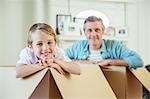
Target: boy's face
(43, 45)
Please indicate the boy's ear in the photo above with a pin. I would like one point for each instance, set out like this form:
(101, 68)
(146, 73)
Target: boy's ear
(29, 45)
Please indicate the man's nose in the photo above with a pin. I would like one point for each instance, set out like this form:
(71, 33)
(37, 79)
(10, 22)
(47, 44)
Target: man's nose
(93, 33)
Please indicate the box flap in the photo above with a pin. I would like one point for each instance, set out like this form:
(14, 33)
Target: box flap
(46, 89)
(116, 76)
(42, 89)
(143, 76)
(91, 84)
(18, 88)
(133, 86)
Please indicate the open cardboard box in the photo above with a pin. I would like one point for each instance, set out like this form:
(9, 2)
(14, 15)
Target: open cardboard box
(93, 83)
(49, 84)
(116, 76)
(127, 83)
(135, 79)
(143, 76)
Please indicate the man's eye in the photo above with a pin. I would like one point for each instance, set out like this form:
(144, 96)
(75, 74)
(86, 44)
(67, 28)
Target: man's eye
(97, 30)
(89, 30)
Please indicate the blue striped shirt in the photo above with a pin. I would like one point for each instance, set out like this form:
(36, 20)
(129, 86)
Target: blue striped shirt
(110, 49)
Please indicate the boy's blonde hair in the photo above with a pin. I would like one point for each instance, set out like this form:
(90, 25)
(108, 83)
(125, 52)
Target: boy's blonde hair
(40, 27)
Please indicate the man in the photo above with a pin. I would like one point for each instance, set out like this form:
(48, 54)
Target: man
(104, 52)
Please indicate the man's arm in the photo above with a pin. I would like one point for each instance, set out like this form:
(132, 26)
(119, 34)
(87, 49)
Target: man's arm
(130, 57)
(112, 62)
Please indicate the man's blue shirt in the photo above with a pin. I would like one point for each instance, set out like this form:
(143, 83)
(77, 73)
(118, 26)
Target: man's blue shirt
(110, 49)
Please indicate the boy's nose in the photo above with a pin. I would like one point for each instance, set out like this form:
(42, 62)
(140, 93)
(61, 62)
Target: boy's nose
(45, 47)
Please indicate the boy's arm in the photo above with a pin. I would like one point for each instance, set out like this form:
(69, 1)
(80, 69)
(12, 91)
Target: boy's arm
(23, 70)
(70, 67)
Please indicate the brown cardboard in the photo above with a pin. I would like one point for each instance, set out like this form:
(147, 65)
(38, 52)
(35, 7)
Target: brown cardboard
(46, 89)
(135, 79)
(143, 76)
(116, 76)
(91, 84)
(127, 83)
(13, 88)
(133, 86)
(49, 84)
(42, 90)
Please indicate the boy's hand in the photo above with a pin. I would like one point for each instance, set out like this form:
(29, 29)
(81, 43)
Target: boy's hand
(49, 62)
(44, 61)
(57, 67)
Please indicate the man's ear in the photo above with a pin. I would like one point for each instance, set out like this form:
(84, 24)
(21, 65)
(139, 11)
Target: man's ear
(84, 32)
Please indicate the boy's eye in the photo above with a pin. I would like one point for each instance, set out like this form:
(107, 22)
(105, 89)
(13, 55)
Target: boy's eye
(39, 44)
(49, 43)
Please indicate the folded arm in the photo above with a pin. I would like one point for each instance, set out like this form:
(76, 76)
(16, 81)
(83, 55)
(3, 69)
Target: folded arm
(70, 67)
(23, 70)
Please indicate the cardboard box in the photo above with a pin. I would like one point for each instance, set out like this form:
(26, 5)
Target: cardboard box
(49, 84)
(124, 82)
(143, 76)
(116, 77)
(137, 78)
(13, 88)
(93, 83)
(90, 84)
(133, 86)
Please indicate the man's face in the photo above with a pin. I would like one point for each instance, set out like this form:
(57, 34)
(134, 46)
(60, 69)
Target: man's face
(93, 32)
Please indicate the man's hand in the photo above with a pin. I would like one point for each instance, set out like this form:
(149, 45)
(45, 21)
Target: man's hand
(83, 61)
(104, 63)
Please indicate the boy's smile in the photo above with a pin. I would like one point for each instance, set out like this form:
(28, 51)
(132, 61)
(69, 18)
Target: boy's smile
(43, 45)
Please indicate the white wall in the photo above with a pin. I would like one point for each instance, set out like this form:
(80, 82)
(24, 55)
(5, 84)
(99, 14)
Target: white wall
(135, 17)
(16, 17)
(14, 20)
(148, 33)
(138, 19)
(21, 14)
(114, 11)
(143, 29)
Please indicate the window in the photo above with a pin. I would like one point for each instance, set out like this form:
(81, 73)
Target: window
(84, 14)
(80, 18)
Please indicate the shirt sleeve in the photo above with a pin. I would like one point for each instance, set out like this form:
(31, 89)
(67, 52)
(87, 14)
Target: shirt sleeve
(24, 57)
(70, 52)
(76, 50)
(60, 54)
(130, 56)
